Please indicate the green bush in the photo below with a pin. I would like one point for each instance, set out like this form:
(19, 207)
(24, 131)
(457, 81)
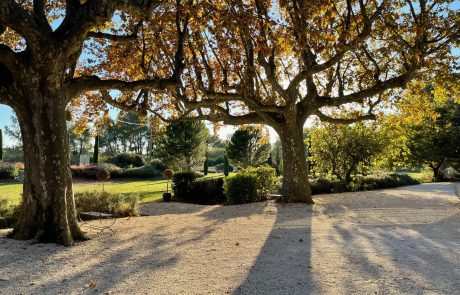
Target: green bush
(266, 179)
(181, 183)
(325, 186)
(8, 170)
(127, 160)
(117, 204)
(361, 183)
(241, 188)
(205, 191)
(147, 171)
(156, 164)
(220, 167)
(114, 170)
(8, 214)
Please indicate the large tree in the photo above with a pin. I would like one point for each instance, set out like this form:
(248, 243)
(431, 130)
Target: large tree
(43, 70)
(280, 62)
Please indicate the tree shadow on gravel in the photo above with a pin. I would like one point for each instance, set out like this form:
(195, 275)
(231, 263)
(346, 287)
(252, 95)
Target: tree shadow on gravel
(115, 261)
(283, 265)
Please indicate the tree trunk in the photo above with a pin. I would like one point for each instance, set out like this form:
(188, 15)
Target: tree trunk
(48, 209)
(437, 173)
(296, 187)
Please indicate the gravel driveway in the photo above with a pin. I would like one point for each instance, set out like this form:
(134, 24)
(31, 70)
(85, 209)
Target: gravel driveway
(395, 241)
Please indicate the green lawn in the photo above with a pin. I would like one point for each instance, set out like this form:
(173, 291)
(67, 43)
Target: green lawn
(148, 190)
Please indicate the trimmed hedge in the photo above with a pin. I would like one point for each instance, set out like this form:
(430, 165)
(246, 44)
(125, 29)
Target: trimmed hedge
(220, 167)
(241, 188)
(207, 191)
(266, 179)
(127, 160)
(150, 170)
(181, 183)
(250, 185)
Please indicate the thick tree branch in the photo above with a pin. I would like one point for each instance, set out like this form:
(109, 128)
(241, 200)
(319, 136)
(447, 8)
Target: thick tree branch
(135, 108)
(225, 117)
(117, 38)
(7, 56)
(359, 96)
(20, 20)
(333, 120)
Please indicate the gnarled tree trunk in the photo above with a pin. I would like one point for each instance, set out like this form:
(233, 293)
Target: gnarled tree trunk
(296, 187)
(48, 210)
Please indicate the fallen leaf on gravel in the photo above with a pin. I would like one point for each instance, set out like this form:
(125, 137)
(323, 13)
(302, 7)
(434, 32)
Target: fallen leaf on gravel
(92, 285)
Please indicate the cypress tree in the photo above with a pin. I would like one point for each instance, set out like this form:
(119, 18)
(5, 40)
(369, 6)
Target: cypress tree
(96, 150)
(226, 166)
(205, 165)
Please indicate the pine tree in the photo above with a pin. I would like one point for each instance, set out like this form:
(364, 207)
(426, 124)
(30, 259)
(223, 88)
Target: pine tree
(183, 145)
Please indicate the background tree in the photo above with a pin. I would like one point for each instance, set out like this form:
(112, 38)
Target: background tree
(134, 133)
(280, 62)
(80, 141)
(96, 150)
(205, 164)
(43, 72)
(343, 150)
(226, 166)
(429, 120)
(183, 145)
(277, 157)
(13, 130)
(248, 147)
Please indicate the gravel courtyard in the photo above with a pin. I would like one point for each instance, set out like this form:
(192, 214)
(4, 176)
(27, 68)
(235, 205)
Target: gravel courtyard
(395, 241)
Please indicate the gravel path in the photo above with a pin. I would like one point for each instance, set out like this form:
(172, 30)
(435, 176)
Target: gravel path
(396, 241)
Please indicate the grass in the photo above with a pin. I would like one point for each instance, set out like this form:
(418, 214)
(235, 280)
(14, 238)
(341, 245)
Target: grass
(148, 190)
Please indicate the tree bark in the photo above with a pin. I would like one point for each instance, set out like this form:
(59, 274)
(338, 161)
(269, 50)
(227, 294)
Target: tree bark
(48, 208)
(296, 187)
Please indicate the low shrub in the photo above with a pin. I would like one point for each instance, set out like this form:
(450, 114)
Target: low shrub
(205, 191)
(127, 160)
(361, 183)
(266, 179)
(114, 170)
(181, 183)
(8, 170)
(220, 167)
(8, 214)
(149, 170)
(118, 204)
(216, 161)
(156, 164)
(241, 188)
(325, 186)
(146, 171)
